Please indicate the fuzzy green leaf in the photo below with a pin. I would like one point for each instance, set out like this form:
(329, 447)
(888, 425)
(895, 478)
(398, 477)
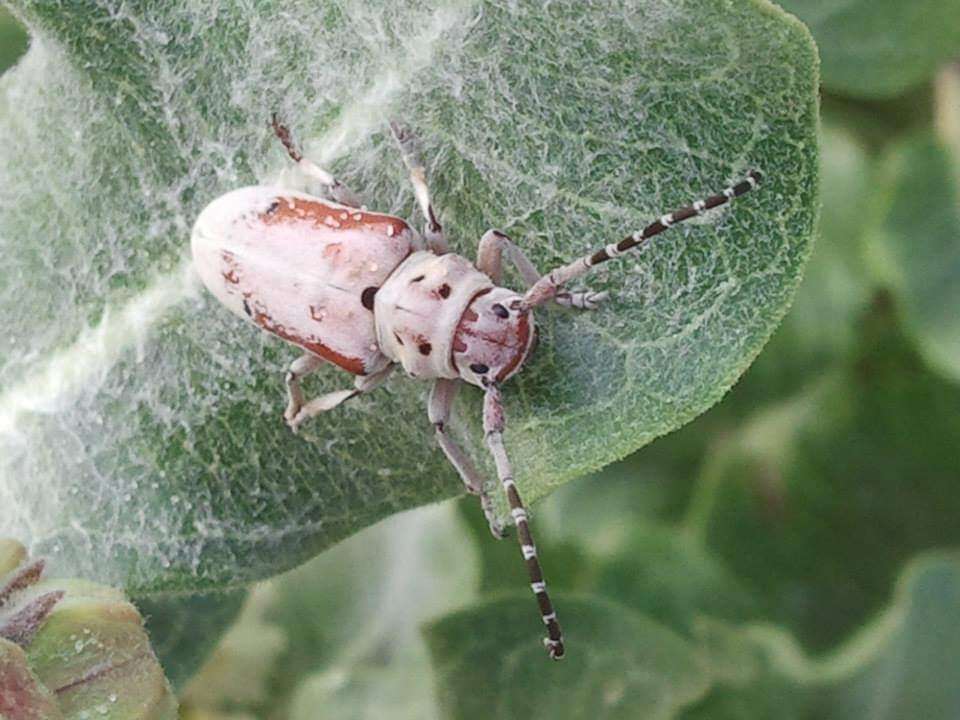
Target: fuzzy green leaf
(141, 439)
(880, 48)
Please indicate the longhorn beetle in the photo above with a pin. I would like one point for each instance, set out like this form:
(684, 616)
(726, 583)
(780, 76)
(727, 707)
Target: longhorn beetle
(364, 291)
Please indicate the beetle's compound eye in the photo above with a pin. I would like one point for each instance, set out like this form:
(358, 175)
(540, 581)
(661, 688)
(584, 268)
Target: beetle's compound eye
(491, 343)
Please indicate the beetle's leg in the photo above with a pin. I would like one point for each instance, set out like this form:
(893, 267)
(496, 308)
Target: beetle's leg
(493, 424)
(338, 191)
(299, 368)
(418, 178)
(363, 384)
(494, 243)
(551, 284)
(442, 395)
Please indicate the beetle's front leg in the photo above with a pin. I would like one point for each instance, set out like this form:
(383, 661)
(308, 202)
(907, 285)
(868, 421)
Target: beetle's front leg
(490, 260)
(442, 395)
(338, 191)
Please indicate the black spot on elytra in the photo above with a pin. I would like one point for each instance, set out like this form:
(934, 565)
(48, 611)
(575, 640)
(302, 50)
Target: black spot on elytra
(444, 291)
(479, 368)
(367, 296)
(425, 348)
(418, 278)
(500, 311)
(246, 308)
(398, 338)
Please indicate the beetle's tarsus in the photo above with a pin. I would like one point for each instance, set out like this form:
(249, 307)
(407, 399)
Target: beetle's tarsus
(283, 134)
(496, 529)
(583, 300)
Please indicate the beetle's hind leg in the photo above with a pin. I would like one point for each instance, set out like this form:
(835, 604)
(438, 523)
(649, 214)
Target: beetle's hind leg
(494, 243)
(338, 191)
(442, 395)
(299, 368)
(298, 411)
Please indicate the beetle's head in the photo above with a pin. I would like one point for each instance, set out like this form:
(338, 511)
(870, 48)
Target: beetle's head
(493, 338)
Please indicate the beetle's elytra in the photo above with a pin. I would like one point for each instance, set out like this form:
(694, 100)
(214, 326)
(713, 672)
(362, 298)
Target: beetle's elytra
(365, 291)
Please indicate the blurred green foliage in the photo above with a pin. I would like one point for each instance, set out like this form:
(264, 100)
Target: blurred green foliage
(13, 40)
(790, 555)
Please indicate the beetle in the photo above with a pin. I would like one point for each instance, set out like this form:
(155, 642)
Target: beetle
(365, 291)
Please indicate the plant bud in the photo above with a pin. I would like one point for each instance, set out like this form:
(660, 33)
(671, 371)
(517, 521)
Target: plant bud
(74, 645)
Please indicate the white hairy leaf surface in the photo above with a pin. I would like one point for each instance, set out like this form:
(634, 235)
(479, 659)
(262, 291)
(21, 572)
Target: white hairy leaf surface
(141, 439)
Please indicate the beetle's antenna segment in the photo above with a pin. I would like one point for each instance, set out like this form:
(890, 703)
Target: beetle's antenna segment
(493, 424)
(547, 286)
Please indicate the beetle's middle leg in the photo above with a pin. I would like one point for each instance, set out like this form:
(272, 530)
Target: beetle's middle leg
(442, 395)
(490, 261)
(407, 141)
(299, 411)
(338, 191)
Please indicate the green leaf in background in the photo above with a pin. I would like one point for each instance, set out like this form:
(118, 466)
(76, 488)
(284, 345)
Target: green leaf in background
(915, 249)
(880, 48)
(621, 664)
(13, 40)
(183, 630)
(398, 687)
(140, 433)
(899, 665)
(912, 674)
(236, 676)
(817, 503)
(748, 682)
(667, 575)
(342, 632)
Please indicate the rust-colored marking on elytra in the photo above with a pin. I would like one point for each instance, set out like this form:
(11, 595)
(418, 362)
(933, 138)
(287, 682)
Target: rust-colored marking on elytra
(331, 217)
(333, 250)
(353, 365)
(230, 261)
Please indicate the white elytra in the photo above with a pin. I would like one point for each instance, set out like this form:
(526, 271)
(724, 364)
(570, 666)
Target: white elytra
(364, 291)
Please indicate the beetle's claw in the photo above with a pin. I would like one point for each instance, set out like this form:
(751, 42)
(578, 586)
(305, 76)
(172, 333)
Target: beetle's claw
(554, 648)
(496, 529)
(292, 418)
